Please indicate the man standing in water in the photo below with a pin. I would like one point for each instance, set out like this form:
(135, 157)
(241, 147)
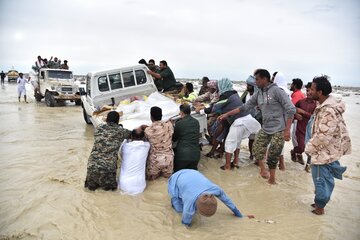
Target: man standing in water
(274, 104)
(329, 141)
(102, 164)
(2, 74)
(21, 86)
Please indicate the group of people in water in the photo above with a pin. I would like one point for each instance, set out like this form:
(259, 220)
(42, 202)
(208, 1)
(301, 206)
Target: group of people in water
(265, 114)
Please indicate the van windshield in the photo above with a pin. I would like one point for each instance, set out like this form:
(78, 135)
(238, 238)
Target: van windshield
(60, 74)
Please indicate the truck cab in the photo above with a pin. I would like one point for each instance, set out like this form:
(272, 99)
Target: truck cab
(57, 86)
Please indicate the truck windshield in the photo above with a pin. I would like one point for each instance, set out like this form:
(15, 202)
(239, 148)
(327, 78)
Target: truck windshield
(60, 74)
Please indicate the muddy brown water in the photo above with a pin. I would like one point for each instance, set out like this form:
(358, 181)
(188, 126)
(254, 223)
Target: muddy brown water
(43, 157)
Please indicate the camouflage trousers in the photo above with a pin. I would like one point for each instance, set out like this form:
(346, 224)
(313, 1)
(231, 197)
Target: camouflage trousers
(159, 164)
(274, 141)
(100, 179)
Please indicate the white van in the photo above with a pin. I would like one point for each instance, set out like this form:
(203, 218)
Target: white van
(109, 87)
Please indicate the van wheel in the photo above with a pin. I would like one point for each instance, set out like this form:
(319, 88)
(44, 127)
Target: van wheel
(78, 102)
(49, 99)
(86, 117)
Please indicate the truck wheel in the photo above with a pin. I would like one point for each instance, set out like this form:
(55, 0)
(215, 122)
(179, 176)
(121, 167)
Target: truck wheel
(78, 102)
(49, 99)
(86, 117)
(38, 97)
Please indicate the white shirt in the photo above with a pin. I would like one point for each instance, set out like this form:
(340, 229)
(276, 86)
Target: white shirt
(21, 82)
(132, 172)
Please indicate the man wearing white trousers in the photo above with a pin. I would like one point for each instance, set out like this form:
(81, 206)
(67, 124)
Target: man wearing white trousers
(241, 129)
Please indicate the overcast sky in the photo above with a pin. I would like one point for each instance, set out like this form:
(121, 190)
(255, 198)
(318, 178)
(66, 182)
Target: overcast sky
(228, 38)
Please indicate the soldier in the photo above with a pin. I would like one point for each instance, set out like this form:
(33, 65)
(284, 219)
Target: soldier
(102, 164)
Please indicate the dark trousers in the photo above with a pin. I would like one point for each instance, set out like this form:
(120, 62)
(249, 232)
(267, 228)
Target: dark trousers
(178, 165)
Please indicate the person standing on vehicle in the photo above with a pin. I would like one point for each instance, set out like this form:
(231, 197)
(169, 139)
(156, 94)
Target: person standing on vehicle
(102, 163)
(166, 75)
(2, 74)
(64, 65)
(21, 86)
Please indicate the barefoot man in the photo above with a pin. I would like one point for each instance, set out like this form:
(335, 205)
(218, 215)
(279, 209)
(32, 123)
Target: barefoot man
(277, 114)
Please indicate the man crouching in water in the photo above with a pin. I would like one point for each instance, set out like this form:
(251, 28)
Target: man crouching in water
(190, 191)
(102, 164)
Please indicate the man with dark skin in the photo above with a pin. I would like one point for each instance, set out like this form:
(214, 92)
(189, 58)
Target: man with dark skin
(166, 75)
(274, 104)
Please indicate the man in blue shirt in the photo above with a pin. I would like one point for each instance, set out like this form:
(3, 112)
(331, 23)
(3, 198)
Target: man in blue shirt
(191, 191)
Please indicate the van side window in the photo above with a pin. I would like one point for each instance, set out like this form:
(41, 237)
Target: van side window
(128, 78)
(103, 84)
(140, 77)
(115, 81)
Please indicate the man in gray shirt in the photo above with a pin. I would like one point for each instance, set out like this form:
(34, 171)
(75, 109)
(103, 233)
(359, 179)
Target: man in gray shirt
(277, 114)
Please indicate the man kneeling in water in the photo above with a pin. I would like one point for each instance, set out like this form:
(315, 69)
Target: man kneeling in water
(190, 191)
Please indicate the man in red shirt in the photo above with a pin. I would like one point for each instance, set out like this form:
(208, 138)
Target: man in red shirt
(297, 95)
(304, 109)
(296, 88)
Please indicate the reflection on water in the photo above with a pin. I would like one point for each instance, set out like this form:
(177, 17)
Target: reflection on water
(44, 153)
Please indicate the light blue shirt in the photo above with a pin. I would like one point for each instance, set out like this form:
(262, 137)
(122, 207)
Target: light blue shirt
(185, 186)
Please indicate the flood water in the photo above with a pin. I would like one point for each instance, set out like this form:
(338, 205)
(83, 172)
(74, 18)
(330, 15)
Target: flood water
(43, 157)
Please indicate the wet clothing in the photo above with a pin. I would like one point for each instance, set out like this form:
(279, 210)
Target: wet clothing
(262, 141)
(185, 187)
(323, 178)
(186, 134)
(330, 138)
(133, 162)
(308, 105)
(102, 163)
(168, 79)
(161, 155)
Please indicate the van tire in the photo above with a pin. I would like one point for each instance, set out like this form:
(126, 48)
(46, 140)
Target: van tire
(86, 117)
(78, 102)
(49, 99)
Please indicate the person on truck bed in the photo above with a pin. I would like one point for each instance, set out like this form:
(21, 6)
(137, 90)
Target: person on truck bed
(64, 65)
(166, 75)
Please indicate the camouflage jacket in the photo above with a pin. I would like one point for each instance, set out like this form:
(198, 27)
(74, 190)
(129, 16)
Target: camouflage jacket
(104, 154)
(330, 139)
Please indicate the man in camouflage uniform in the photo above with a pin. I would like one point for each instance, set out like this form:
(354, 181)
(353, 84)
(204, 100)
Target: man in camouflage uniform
(102, 164)
(277, 113)
(161, 155)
